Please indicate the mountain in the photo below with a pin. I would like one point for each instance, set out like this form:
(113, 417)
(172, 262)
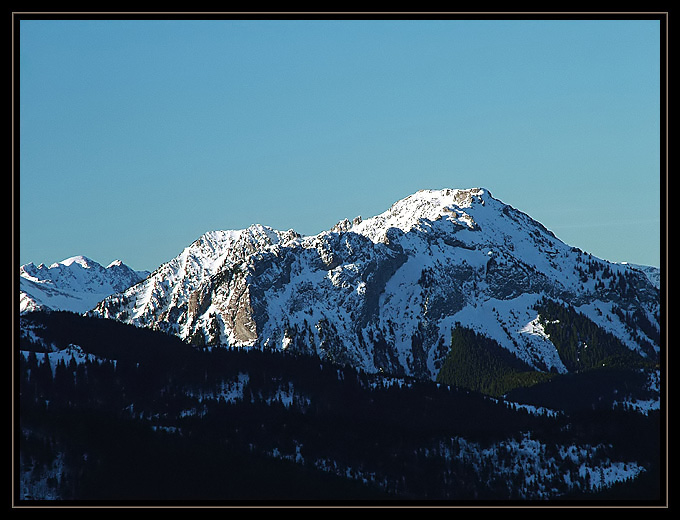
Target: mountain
(481, 357)
(387, 293)
(75, 284)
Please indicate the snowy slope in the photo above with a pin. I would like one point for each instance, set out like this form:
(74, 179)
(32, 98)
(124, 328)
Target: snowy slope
(384, 293)
(75, 284)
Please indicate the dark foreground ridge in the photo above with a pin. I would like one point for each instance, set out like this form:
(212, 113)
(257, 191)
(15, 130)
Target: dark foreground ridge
(133, 415)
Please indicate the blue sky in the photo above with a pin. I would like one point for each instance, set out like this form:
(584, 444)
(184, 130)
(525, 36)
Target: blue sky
(137, 136)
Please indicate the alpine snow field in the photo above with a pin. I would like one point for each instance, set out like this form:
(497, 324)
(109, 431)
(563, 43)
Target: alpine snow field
(451, 349)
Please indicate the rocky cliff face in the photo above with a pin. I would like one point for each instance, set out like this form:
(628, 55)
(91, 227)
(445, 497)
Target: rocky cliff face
(383, 293)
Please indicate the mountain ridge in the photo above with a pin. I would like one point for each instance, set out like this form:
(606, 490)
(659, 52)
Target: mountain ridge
(384, 293)
(76, 283)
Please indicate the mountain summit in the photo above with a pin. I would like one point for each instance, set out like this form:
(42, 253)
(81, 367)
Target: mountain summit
(387, 292)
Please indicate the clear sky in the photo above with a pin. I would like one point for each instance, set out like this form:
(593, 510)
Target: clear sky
(137, 136)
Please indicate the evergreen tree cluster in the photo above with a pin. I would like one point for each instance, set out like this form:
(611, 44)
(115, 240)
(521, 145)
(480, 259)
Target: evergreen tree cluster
(479, 363)
(641, 329)
(582, 344)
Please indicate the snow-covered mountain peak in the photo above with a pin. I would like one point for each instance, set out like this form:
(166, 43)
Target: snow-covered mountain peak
(424, 205)
(79, 260)
(216, 248)
(254, 234)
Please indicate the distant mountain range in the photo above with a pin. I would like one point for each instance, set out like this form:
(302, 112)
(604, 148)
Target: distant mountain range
(382, 294)
(75, 284)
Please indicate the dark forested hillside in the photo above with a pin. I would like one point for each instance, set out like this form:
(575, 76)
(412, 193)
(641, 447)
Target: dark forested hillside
(480, 363)
(138, 416)
(582, 345)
